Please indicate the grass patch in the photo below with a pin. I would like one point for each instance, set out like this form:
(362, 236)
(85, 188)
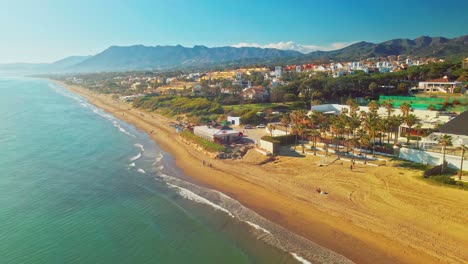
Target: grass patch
(447, 180)
(271, 139)
(207, 145)
(411, 165)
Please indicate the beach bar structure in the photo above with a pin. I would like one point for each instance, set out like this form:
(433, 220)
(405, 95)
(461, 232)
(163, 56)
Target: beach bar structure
(213, 134)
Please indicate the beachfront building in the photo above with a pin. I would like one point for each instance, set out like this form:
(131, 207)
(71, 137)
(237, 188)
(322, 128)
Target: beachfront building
(442, 85)
(223, 135)
(233, 120)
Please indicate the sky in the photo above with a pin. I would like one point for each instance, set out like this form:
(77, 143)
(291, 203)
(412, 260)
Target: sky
(49, 30)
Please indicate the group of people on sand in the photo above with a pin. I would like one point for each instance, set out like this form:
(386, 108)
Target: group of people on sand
(205, 163)
(318, 190)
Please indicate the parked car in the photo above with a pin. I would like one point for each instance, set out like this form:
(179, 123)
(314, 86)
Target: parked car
(247, 127)
(261, 126)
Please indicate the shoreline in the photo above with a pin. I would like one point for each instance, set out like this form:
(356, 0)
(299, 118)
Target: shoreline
(269, 199)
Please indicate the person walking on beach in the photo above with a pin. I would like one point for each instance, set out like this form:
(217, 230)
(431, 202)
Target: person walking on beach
(351, 167)
(203, 162)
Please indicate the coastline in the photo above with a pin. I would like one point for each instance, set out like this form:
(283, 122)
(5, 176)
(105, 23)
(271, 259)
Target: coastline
(276, 198)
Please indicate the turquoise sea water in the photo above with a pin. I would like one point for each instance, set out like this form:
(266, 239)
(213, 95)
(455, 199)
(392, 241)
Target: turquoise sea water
(79, 186)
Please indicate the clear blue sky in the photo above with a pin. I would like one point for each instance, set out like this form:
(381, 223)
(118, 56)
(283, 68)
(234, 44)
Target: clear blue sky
(47, 30)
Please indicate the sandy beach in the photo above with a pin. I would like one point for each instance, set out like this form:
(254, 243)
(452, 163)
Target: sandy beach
(372, 214)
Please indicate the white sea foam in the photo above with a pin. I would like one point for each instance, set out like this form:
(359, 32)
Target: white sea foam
(131, 164)
(140, 146)
(258, 227)
(159, 157)
(136, 157)
(300, 259)
(197, 198)
(117, 125)
(141, 171)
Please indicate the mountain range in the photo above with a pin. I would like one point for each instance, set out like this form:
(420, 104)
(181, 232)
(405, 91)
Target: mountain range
(139, 57)
(424, 46)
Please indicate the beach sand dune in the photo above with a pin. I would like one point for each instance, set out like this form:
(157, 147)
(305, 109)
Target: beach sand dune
(370, 215)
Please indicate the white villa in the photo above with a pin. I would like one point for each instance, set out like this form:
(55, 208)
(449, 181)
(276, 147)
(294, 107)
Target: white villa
(442, 85)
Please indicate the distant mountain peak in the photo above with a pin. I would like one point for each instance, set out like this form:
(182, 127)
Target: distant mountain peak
(139, 57)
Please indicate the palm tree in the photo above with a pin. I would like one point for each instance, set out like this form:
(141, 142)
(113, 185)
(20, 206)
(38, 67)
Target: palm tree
(365, 142)
(389, 107)
(337, 129)
(410, 121)
(370, 121)
(302, 132)
(418, 131)
(405, 108)
(373, 106)
(396, 121)
(299, 130)
(354, 122)
(353, 105)
(285, 122)
(463, 148)
(445, 140)
(298, 119)
(324, 126)
(353, 142)
(315, 134)
(381, 127)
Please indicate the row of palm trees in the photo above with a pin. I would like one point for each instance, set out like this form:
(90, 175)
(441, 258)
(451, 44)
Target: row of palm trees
(355, 127)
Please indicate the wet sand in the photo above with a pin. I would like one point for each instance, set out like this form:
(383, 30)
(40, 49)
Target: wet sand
(371, 214)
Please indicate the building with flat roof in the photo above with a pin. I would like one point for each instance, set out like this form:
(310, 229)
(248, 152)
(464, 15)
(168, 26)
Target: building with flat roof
(442, 85)
(217, 134)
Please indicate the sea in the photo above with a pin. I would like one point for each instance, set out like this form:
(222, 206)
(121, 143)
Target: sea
(77, 185)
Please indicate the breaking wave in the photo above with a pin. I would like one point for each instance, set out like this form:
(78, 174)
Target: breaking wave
(262, 228)
(140, 146)
(300, 259)
(121, 129)
(137, 156)
(258, 227)
(197, 198)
